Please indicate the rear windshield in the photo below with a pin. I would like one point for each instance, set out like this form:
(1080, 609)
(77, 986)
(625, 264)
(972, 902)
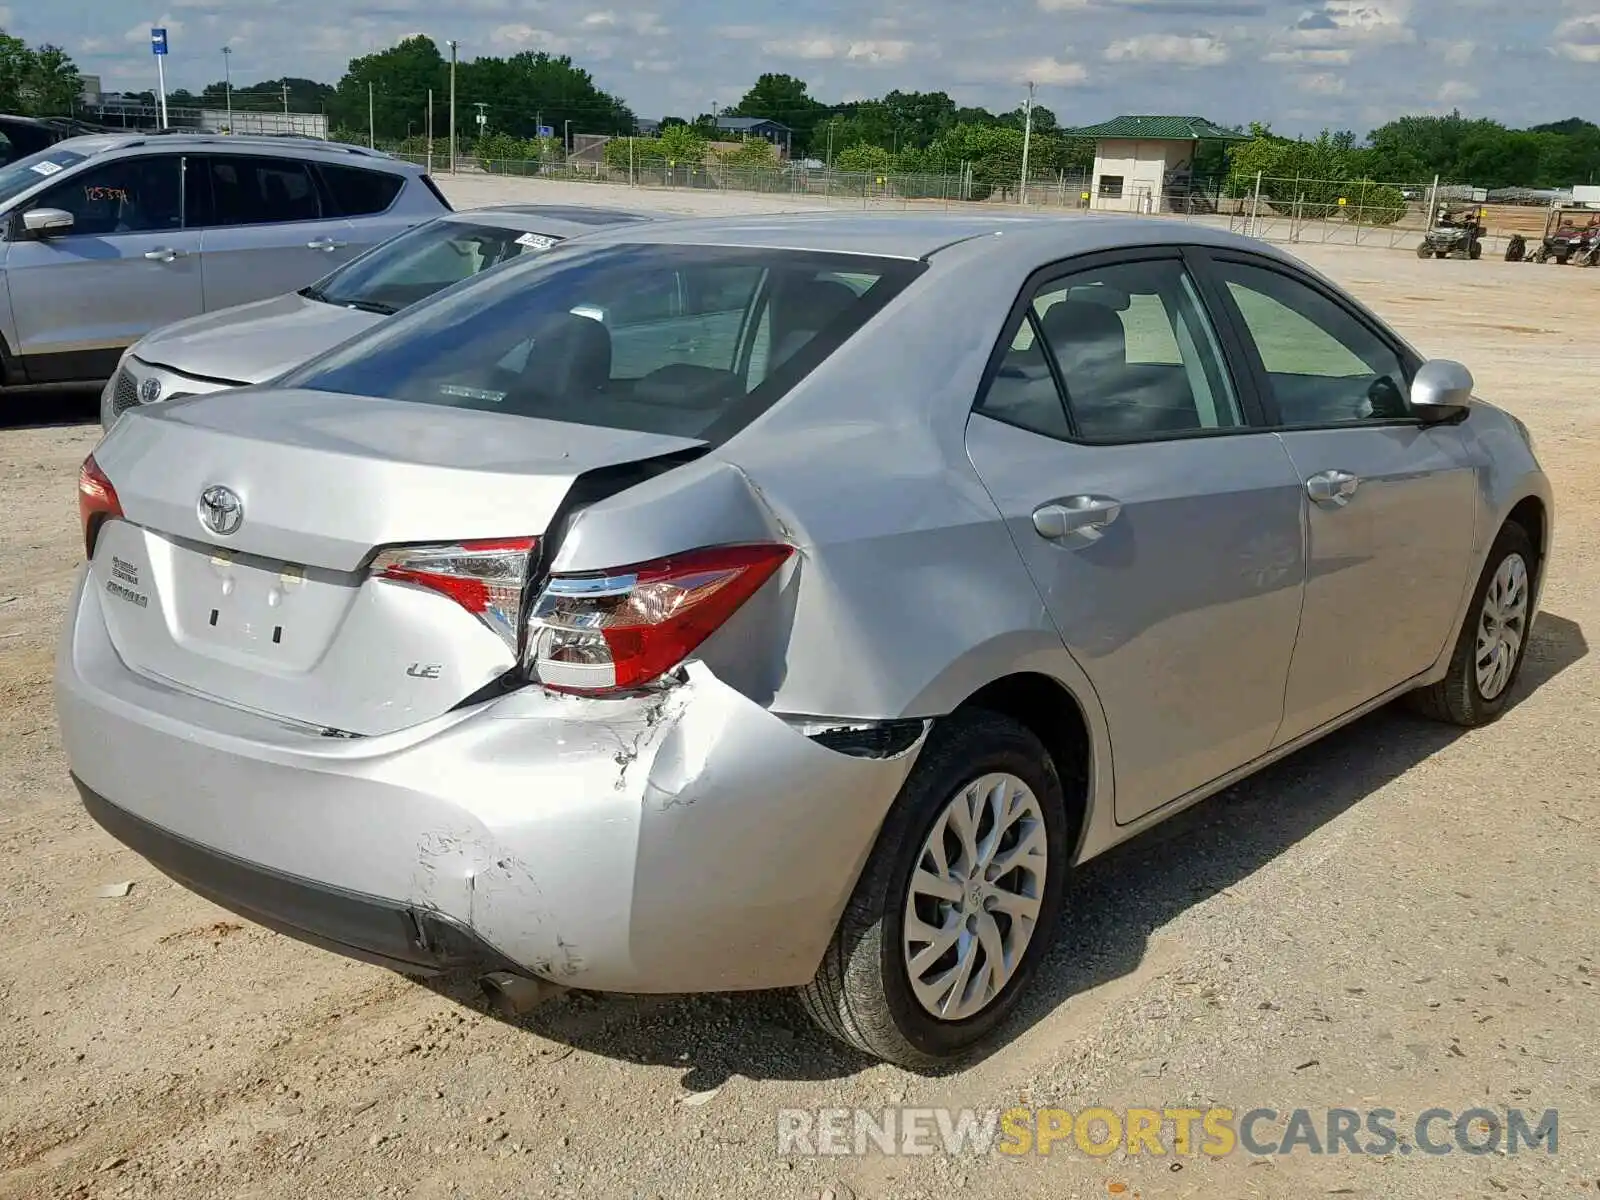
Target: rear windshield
(422, 261)
(693, 341)
(18, 177)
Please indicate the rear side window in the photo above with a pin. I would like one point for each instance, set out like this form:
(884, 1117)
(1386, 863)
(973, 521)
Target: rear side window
(693, 341)
(359, 193)
(261, 191)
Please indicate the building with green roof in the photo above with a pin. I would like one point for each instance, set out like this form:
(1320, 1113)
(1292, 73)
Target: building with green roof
(1145, 164)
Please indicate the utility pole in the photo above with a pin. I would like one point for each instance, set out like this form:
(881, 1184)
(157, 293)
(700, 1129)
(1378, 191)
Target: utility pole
(430, 131)
(227, 81)
(1027, 136)
(372, 124)
(286, 99)
(452, 106)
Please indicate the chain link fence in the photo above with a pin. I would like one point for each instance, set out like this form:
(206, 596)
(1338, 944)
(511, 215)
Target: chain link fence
(1285, 210)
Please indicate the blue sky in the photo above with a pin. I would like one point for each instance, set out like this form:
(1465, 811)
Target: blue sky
(1340, 63)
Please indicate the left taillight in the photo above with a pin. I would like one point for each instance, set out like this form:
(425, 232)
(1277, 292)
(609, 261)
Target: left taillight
(97, 502)
(485, 577)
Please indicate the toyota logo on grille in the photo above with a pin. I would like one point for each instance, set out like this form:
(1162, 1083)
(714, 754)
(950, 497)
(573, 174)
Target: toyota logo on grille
(221, 510)
(150, 391)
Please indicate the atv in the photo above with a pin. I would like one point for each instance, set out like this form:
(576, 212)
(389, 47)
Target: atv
(1571, 235)
(1454, 232)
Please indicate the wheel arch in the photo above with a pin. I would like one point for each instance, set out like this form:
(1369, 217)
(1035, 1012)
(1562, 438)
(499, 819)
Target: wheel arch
(1050, 710)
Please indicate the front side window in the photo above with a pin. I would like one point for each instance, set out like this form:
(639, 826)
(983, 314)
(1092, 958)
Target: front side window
(422, 261)
(261, 191)
(126, 195)
(1116, 353)
(603, 336)
(1322, 364)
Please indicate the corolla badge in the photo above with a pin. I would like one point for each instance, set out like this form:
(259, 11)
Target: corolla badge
(221, 510)
(150, 391)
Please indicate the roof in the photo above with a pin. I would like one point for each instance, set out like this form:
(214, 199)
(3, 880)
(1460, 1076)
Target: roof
(556, 220)
(1157, 129)
(748, 123)
(103, 143)
(1034, 238)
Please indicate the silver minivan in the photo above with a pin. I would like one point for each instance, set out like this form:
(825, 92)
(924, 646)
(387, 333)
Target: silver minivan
(107, 237)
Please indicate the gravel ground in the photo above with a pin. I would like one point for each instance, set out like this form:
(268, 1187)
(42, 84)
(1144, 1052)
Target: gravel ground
(1400, 917)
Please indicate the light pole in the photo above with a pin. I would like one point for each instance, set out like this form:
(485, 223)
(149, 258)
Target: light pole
(1027, 136)
(566, 140)
(227, 81)
(452, 106)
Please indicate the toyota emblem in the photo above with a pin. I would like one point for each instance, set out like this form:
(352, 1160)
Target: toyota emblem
(150, 391)
(221, 510)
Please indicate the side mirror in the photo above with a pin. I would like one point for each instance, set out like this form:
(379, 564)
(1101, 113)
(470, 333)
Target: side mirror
(47, 222)
(1441, 391)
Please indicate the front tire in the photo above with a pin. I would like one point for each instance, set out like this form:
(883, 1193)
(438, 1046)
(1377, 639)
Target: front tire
(1494, 638)
(957, 903)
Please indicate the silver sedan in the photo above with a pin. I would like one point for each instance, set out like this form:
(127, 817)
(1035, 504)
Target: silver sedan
(780, 602)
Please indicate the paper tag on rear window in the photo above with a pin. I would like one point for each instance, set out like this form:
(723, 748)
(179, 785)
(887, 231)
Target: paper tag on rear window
(45, 168)
(536, 241)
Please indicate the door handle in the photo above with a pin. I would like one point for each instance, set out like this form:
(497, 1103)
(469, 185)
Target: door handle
(1087, 515)
(1333, 487)
(325, 244)
(165, 255)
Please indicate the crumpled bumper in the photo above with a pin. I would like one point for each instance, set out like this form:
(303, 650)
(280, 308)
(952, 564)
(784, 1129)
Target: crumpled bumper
(686, 841)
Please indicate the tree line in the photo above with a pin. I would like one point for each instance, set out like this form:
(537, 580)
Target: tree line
(387, 95)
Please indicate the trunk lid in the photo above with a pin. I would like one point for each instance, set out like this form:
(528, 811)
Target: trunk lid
(280, 616)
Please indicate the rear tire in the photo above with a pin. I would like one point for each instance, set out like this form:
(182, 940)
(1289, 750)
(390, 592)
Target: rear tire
(864, 993)
(1475, 689)
(1423, 251)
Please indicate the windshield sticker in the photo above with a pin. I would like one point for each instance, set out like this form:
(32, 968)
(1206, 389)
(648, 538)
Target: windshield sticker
(536, 241)
(469, 393)
(45, 168)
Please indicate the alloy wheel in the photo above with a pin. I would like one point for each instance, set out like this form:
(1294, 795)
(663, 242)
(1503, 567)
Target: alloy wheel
(1502, 626)
(975, 896)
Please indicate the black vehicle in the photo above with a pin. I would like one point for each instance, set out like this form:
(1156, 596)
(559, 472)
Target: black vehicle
(1571, 235)
(1455, 231)
(22, 136)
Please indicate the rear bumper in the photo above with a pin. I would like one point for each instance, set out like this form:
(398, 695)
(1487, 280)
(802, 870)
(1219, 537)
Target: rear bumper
(688, 841)
(410, 940)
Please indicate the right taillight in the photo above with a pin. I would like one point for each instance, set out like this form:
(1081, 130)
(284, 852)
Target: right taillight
(618, 630)
(97, 502)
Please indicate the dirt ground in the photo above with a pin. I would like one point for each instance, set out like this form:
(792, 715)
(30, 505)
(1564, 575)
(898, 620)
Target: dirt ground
(1400, 917)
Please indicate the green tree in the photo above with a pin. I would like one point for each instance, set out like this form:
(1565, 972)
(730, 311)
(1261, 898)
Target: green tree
(784, 99)
(399, 78)
(53, 83)
(535, 88)
(862, 158)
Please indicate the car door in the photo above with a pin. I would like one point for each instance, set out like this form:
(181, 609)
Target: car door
(1388, 501)
(126, 266)
(269, 229)
(1161, 528)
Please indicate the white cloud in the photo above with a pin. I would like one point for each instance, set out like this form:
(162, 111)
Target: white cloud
(1323, 84)
(1201, 50)
(596, 20)
(1455, 91)
(1062, 5)
(821, 47)
(1052, 72)
(526, 37)
(878, 51)
(1335, 23)
(139, 35)
(1578, 39)
(1327, 58)
(739, 33)
(1458, 54)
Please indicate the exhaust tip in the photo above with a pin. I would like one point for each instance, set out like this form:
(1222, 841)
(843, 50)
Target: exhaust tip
(516, 995)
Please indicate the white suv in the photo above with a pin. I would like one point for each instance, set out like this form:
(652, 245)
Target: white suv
(108, 237)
